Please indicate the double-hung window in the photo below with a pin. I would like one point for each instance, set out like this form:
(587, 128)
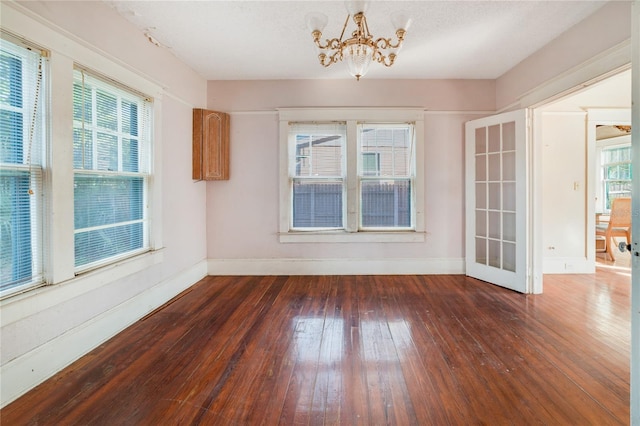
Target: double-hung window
(318, 172)
(111, 159)
(358, 178)
(22, 141)
(386, 176)
(616, 173)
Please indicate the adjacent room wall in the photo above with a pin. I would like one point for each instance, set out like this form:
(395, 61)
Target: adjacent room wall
(565, 190)
(243, 213)
(46, 329)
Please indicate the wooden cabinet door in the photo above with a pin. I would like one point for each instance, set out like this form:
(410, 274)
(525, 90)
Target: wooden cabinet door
(210, 145)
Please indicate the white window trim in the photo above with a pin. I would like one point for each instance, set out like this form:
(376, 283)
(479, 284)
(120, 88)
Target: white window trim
(66, 52)
(601, 145)
(351, 116)
(33, 167)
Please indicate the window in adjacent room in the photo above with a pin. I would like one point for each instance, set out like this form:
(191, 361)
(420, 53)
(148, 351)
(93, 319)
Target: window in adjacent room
(615, 173)
(111, 159)
(22, 141)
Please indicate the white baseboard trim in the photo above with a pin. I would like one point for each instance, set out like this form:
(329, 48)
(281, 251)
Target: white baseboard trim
(567, 265)
(335, 266)
(27, 371)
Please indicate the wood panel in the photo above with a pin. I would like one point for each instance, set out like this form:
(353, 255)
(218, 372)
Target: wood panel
(210, 145)
(400, 350)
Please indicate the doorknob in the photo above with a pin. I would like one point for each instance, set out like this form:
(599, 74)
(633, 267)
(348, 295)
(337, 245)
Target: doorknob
(623, 246)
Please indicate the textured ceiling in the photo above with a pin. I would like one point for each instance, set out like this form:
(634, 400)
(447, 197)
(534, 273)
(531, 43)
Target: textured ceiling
(238, 40)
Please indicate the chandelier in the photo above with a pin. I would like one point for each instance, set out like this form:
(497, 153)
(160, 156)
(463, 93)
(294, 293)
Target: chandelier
(362, 48)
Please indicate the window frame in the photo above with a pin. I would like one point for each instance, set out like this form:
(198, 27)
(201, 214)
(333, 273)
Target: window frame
(352, 232)
(99, 83)
(61, 280)
(379, 177)
(33, 163)
(376, 158)
(601, 146)
(332, 127)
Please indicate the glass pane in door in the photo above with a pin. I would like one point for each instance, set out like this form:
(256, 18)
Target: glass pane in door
(495, 176)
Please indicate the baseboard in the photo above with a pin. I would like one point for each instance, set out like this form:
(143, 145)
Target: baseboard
(567, 265)
(27, 371)
(335, 266)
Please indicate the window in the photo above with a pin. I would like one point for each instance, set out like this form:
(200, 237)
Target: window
(386, 182)
(615, 173)
(346, 178)
(21, 147)
(111, 160)
(317, 175)
(371, 163)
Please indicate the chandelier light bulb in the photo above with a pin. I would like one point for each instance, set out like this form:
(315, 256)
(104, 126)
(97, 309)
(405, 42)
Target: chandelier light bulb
(316, 21)
(356, 6)
(400, 20)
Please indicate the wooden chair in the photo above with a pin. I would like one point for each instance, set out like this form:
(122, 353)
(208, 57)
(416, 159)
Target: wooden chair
(619, 224)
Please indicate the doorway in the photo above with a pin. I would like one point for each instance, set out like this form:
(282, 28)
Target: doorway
(570, 135)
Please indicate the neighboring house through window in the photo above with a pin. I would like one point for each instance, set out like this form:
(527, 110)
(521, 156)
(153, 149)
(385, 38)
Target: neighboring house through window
(370, 163)
(348, 172)
(387, 175)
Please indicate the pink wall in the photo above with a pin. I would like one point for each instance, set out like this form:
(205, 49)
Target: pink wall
(606, 28)
(242, 213)
(60, 311)
(267, 95)
(183, 201)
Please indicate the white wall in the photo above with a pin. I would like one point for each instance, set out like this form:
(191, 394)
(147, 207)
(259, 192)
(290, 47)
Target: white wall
(44, 330)
(243, 213)
(606, 32)
(564, 189)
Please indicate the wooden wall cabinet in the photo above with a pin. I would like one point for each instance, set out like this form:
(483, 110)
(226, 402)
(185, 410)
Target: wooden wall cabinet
(210, 145)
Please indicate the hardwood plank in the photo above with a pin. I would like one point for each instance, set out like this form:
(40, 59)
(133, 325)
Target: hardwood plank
(357, 350)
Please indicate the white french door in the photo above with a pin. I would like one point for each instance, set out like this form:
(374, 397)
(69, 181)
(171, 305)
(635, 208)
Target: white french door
(496, 200)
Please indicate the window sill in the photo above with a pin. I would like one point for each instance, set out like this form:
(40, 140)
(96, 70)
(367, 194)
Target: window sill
(30, 302)
(353, 237)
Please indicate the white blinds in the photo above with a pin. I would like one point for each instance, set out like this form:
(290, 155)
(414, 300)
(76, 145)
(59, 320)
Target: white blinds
(21, 151)
(111, 157)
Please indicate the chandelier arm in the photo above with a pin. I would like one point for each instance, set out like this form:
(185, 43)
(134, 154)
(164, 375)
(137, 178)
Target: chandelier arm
(387, 60)
(366, 34)
(327, 60)
(332, 44)
(393, 46)
(383, 43)
(346, 22)
(400, 34)
(386, 43)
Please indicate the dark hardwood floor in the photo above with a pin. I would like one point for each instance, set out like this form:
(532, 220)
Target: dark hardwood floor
(370, 350)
